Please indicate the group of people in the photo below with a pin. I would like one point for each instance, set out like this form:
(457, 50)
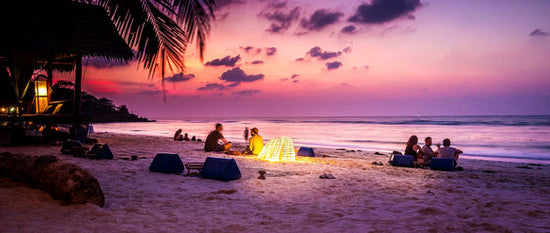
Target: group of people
(215, 141)
(424, 154)
(185, 137)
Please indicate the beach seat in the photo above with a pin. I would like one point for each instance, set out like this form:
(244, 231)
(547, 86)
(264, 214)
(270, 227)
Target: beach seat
(442, 164)
(166, 163)
(100, 151)
(220, 169)
(306, 151)
(69, 145)
(194, 166)
(403, 160)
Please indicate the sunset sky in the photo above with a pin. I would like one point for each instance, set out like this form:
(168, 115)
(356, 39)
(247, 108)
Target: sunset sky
(356, 58)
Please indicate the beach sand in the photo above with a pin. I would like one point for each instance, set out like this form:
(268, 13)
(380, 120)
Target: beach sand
(487, 196)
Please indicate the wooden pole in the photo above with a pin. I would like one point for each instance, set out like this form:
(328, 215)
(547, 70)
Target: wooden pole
(77, 89)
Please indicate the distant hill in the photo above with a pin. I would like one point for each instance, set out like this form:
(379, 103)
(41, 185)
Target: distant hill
(100, 110)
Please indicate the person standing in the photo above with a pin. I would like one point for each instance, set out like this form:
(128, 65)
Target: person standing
(245, 134)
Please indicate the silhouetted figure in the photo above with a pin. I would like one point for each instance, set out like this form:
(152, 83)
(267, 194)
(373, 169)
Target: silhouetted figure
(194, 138)
(186, 137)
(178, 136)
(245, 134)
(448, 152)
(215, 140)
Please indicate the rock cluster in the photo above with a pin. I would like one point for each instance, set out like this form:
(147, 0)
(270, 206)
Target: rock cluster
(63, 181)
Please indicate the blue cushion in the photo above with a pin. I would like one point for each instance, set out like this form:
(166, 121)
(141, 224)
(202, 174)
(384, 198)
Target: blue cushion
(166, 163)
(442, 164)
(403, 160)
(220, 169)
(100, 151)
(69, 145)
(306, 151)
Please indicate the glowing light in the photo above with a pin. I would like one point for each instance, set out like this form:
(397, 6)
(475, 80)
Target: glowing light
(278, 150)
(3, 109)
(41, 95)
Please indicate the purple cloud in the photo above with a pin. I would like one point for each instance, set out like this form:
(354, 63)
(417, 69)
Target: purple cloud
(539, 32)
(226, 61)
(220, 4)
(246, 92)
(320, 19)
(334, 65)
(212, 86)
(257, 62)
(235, 76)
(294, 75)
(180, 77)
(299, 59)
(270, 51)
(349, 29)
(280, 21)
(323, 55)
(382, 11)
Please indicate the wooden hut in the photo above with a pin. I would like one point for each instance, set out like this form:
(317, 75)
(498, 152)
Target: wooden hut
(51, 35)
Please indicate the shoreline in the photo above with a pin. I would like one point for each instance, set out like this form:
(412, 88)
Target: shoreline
(494, 158)
(487, 196)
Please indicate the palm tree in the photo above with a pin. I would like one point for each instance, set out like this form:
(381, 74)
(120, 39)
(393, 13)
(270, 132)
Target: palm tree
(160, 30)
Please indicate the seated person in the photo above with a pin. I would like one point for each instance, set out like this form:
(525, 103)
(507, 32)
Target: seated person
(186, 137)
(427, 152)
(256, 143)
(178, 136)
(412, 148)
(448, 152)
(211, 142)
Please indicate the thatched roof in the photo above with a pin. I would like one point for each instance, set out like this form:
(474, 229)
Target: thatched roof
(59, 28)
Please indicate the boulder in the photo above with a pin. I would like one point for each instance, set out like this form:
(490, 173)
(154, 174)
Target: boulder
(61, 180)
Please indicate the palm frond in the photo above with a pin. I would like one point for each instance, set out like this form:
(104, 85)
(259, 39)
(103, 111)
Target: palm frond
(153, 26)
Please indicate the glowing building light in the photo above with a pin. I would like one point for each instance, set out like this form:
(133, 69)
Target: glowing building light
(41, 95)
(278, 150)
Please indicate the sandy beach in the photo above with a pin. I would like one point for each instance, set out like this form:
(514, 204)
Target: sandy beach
(487, 196)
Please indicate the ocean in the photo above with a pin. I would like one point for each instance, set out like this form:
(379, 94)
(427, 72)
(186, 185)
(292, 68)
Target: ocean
(500, 138)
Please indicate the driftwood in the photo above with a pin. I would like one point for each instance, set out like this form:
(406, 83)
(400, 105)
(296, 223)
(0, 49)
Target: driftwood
(63, 181)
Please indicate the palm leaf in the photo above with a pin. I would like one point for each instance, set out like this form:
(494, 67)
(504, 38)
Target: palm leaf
(154, 26)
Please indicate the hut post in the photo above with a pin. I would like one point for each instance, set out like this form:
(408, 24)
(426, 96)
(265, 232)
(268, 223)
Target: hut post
(50, 77)
(77, 89)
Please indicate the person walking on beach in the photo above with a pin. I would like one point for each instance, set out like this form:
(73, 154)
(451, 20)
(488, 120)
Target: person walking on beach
(427, 152)
(256, 142)
(245, 134)
(212, 142)
(448, 152)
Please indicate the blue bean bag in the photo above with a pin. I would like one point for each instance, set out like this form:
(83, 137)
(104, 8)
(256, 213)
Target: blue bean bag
(166, 163)
(442, 164)
(306, 151)
(403, 161)
(220, 169)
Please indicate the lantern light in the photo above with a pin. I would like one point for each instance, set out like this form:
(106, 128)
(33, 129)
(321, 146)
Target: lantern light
(41, 95)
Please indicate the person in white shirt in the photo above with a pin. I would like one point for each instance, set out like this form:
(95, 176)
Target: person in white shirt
(448, 152)
(427, 152)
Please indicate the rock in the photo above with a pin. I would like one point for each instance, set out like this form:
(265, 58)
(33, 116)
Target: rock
(61, 180)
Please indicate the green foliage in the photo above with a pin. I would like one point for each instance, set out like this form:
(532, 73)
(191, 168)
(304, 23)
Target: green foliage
(97, 110)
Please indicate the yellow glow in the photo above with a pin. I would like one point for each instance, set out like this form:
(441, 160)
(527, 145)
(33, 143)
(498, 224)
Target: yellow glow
(278, 150)
(3, 109)
(41, 95)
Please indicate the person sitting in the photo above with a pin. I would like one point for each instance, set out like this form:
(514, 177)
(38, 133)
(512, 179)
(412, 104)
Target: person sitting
(412, 147)
(427, 152)
(448, 152)
(213, 139)
(186, 137)
(256, 142)
(194, 138)
(178, 136)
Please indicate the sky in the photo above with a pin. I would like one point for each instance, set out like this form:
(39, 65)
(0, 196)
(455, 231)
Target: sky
(350, 58)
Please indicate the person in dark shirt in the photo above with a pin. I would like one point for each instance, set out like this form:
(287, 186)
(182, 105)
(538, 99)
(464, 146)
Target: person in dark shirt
(213, 139)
